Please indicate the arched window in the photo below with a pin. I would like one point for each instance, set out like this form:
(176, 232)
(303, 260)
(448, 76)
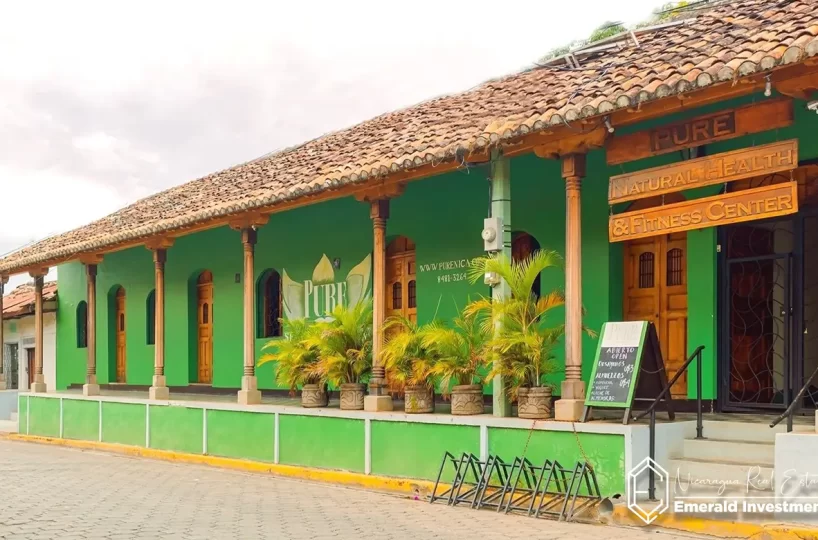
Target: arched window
(151, 318)
(269, 304)
(523, 245)
(401, 287)
(82, 325)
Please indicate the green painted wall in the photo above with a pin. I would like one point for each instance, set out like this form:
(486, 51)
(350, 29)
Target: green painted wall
(606, 453)
(44, 417)
(22, 414)
(327, 443)
(240, 435)
(442, 215)
(80, 419)
(415, 450)
(179, 429)
(123, 423)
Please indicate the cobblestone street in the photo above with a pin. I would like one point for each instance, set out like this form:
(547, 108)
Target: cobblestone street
(53, 492)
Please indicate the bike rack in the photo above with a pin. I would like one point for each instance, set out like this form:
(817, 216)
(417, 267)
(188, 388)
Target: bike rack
(520, 486)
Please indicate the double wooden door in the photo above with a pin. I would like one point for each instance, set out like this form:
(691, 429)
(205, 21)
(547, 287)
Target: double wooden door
(401, 283)
(120, 336)
(656, 291)
(205, 328)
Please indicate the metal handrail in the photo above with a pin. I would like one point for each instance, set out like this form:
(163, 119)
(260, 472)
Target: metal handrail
(790, 411)
(697, 355)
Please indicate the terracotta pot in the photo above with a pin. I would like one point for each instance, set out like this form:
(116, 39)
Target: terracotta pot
(534, 403)
(467, 399)
(418, 400)
(314, 395)
(352, 396)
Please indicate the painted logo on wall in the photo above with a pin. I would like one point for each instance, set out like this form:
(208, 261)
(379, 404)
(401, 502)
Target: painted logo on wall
(316, 298)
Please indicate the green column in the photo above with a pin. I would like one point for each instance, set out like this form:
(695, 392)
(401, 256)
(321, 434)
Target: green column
(501, 207)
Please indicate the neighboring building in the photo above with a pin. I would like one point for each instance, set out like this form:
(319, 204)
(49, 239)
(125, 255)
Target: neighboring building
(18, 337)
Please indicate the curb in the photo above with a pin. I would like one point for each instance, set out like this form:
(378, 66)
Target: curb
(620, 517)
(623, 517)
(418, 488)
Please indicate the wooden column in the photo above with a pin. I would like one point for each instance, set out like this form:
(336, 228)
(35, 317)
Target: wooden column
(159, 388)
(3, 281)
(249, 393)
(569, 406)
(91, 388)
(378, 399)
(39, 382)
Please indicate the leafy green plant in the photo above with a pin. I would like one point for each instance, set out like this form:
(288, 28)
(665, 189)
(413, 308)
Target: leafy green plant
(406, 360)
(296, 359)
(457, 350)
(525, 336)
(344, 345)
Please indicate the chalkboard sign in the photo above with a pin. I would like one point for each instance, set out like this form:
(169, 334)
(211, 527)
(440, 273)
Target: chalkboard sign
(617, 364)
(628, 367)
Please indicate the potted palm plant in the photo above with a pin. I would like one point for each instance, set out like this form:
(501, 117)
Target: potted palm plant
(408, 364)
(296, 361)
(344, 344)
(524, 339)
(458, 355)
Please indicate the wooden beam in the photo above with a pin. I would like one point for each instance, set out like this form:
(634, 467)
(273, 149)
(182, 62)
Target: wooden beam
(159, 243)
(801, 87)
(381, 191)
(577, 143)
(90, 258)
(249, 220)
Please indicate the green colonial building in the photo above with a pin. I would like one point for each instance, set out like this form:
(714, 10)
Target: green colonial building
(674, 168)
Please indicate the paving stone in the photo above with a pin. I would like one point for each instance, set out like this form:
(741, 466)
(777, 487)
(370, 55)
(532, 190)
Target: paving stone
(98, 496)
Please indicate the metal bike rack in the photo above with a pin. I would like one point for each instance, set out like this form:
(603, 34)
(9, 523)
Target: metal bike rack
(548, 490)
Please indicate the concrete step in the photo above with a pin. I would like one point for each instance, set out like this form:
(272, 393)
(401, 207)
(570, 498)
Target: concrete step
(733, 475)
(7, 426)
(758, 453)
(747, 431)
(14, 416)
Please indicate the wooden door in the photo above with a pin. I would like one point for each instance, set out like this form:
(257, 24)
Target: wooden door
(401, 283)
(205, 327)
(30, 362)
(120, 336)
(656, 291)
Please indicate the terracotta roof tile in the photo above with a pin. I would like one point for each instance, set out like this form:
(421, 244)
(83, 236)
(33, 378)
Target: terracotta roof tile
(20, 301)
(731, 40)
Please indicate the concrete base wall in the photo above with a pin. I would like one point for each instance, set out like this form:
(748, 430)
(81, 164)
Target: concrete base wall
(384, 444)
(8, 403)
(796, 474)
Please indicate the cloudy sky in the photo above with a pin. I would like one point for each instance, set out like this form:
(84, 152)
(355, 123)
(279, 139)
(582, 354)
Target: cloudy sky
(102, 103)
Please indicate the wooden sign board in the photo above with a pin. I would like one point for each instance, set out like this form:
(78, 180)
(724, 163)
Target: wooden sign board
(753, 118)
(706, 171)
(736, 207)
(628, 366)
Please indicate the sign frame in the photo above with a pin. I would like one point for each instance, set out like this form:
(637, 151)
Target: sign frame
(637, 366)
(648, 345)
(703, 129)
(701, 172)
(702, 206)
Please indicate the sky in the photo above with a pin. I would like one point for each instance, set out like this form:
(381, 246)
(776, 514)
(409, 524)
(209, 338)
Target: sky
(103, 103)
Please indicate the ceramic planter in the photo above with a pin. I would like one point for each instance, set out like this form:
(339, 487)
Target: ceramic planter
(352, 396)
(534, 403)
(467, 399)
(418, 400)
(314, 395)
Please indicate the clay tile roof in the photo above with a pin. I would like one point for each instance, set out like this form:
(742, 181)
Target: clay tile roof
(731, 40)
(20, 301)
